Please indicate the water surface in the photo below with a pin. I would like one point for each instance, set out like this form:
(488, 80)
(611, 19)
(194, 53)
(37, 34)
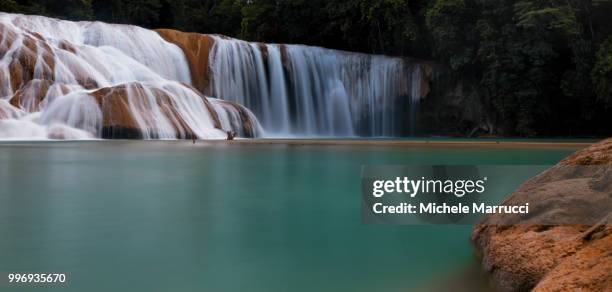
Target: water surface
(164, 216)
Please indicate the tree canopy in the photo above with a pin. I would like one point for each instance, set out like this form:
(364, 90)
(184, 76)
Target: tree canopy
(529, 61)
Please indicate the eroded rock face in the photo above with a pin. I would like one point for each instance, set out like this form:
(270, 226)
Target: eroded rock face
(555, 257)
(197, 50)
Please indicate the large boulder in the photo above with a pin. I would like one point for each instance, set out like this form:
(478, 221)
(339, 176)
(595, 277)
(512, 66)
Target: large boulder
(119, 120)
(575, 257)
(131, 110)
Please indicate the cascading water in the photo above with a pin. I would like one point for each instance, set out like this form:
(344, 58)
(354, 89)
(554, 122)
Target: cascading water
(92, 79)
(309, 91)
(62, 79)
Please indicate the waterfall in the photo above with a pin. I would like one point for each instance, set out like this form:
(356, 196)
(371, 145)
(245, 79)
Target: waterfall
(310, 91)
(73, 80)
(97, 80)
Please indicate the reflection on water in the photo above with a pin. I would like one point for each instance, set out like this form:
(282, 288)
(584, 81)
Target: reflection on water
(161, 216)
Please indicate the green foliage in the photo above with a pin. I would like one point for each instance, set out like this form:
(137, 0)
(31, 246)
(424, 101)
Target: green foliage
(529, 62)
(9, 6)
(140, 12)
(144, 12)
(535, 15)
(390, 24)
(451, 27)
(70, 9)
(260, 21)
(222, 17)
(602, 72)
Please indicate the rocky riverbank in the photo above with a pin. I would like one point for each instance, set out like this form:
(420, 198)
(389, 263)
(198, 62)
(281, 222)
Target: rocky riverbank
(555, 257)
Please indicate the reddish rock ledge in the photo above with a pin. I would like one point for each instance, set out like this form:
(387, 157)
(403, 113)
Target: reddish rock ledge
(555, 257)
(196, 48)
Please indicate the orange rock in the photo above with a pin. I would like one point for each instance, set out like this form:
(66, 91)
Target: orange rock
(196, 48)
(25, 59)
(246, 127)
(36, 56)
(115, 107)
(64, 45)
(555, 257)
(588, 269)
(117, 115)
(600, 153)
(30, 95)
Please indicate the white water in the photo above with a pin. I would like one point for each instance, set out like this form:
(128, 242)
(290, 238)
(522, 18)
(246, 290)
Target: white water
(311, 91)
(293, 90)
(74, 59)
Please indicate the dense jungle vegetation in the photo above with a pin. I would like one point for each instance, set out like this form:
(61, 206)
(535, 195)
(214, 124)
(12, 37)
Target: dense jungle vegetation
(540, 67)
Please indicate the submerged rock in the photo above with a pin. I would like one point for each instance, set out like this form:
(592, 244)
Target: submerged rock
(574, 257)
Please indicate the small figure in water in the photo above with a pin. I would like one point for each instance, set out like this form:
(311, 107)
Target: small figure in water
(230, 135)
(193, 138)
